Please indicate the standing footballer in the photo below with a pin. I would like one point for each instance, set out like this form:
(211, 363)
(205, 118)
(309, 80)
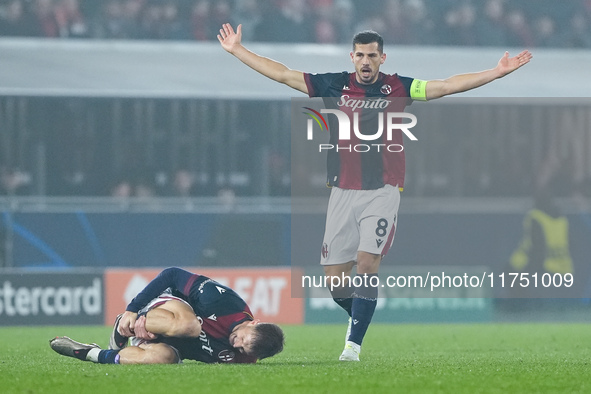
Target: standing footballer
(365, 191)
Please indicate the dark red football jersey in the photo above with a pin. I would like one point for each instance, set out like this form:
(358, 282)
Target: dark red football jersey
(353, 166)
(218, 307)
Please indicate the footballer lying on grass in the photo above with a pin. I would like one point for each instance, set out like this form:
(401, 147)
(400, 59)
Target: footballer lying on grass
(181, 315)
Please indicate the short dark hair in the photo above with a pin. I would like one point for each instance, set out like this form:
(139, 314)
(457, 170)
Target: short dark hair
(268, 341)
(367, 37)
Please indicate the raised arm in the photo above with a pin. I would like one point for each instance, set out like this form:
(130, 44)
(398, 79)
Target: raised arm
(463, 82)
(232, 42)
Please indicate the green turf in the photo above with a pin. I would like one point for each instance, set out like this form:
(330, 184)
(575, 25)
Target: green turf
(471, 358)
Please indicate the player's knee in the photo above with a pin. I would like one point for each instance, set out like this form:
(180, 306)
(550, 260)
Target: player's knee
(339, 269)
(181, 319)
(149, 353)
(368, 263)
(186, 325)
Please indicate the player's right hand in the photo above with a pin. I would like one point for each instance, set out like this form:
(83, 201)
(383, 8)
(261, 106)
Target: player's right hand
(228, 38)
(127, 324)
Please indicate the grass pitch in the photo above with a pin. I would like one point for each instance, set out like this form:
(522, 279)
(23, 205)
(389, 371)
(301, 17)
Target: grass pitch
(466, 358)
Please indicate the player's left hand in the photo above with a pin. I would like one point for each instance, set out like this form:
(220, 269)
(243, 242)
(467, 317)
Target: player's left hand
(140, 329)
(229, 38)
(509, 64)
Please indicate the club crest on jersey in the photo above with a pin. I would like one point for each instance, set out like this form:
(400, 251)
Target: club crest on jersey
(226, 355)
(386, 89)
(324, 250)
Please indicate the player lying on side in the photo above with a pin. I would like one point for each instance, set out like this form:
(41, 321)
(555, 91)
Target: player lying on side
(181, 315)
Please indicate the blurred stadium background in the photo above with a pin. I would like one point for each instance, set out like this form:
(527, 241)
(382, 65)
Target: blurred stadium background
(130, 141)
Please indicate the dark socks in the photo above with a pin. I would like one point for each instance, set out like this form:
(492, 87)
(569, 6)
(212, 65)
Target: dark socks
(363, 305)
(345, 303)
(343, 297)
(108, 357)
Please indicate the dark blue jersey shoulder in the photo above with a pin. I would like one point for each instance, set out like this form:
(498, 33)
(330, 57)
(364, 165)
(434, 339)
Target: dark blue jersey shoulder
(344, 83)
(192, 288)
(326, 85)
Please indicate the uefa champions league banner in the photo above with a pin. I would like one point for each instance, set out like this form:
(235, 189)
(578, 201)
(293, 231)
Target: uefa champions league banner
(45, 298)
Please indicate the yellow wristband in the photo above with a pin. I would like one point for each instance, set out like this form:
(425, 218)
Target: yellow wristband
(418, 90)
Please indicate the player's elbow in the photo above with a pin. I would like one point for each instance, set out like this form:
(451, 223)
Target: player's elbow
(452, 85)
(283, 77)
(171, 271)
(438, 89)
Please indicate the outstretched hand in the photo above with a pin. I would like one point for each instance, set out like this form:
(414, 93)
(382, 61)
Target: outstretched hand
(228, 38)
(507, 65)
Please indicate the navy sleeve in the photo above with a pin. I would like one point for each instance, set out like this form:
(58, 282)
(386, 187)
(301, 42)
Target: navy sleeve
(319, 85)
(175, 278)
(406, 82)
